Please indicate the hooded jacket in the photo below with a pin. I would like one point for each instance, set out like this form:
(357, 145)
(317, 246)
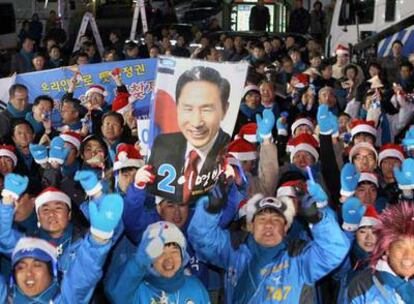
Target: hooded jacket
(138, 283)
(286, 276)
(380, 285)
(78, 283)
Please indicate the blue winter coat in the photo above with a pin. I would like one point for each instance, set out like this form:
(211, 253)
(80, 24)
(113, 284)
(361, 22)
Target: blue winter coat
(291, 271)
(79, 281)
(68, 244)
(365, 289)
(137, 218)
(136, 284)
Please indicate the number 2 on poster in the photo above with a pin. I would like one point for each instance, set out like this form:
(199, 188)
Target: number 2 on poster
(170, 174)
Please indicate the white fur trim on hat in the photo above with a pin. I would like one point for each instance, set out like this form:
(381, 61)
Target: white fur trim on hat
(244, 156)
(50, 196)
(96, 90)
(364, 128)
(302, 121)
(135, 163)
(368, 177)
(30, 243)
(390, 153)
(10, 154)
(304, 147)
(71, 139)
(252, 138)
(368, 221)
(57, 160)
(286, 191)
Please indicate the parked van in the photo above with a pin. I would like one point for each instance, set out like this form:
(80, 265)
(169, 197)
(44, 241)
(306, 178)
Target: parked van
(356, 20)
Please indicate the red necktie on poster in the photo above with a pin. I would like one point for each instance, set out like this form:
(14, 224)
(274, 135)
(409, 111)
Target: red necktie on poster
(190, 175)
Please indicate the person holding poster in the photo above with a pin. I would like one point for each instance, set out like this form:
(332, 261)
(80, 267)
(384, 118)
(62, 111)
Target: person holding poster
(187, 162)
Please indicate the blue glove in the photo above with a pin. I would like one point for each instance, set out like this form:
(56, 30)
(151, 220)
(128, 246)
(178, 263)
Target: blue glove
(89, 182)
(408, 140)
(265, 124)
(317, 193)
(405, 175)
(14, 185)
(58, 152)
(105, 219)
(327, 122)
(352, 213)
(39, 153)
(281, 124)
(349, 179)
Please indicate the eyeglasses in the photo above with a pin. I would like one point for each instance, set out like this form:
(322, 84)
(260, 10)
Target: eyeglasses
(370, 158)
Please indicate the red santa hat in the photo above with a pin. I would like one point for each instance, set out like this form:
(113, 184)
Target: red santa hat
(302, 120)
(127, 156)
(368, 177)
(283, 205)
(288, 188)
(363, 126)
(249, 88)
(302, 80)
(370, 217)
(304, 142)
(73, 138)
(242, 150)
(361, 145)
(121, 103)
(51, 194)
(391, 151)
(9, 151)
(248, 132)
(95, 88)
(341, 50)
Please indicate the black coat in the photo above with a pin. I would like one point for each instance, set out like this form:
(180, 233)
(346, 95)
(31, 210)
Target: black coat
(170, 149)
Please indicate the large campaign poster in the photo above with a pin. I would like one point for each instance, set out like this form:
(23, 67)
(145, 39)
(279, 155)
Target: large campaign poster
(138, 76)
(193, 114)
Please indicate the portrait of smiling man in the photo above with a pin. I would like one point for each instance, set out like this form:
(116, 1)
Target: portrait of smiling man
(186, 163)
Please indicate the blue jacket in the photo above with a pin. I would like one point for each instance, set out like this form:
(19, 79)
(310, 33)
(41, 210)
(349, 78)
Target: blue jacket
(69, 244)
(290, 271)
(369, 287)
(137, 218)
(78, 283)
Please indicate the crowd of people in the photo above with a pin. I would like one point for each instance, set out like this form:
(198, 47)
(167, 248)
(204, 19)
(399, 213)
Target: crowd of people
(314, 203)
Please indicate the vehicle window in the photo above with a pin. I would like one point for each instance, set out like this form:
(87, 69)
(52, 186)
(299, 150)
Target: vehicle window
(8, 22)
(390, 10)
(351, 10)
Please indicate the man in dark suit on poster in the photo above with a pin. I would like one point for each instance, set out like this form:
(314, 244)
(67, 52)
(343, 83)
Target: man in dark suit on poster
(186, 163)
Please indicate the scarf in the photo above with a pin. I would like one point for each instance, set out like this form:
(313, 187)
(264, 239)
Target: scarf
(62, 242)
(27, 60)
(359, 257)
(76, 126)
(251, 276)
(404, 288)
(37, 126)
(16, 113)
(169, 285)
(45, 297)
(249, 112)
(27, 158)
